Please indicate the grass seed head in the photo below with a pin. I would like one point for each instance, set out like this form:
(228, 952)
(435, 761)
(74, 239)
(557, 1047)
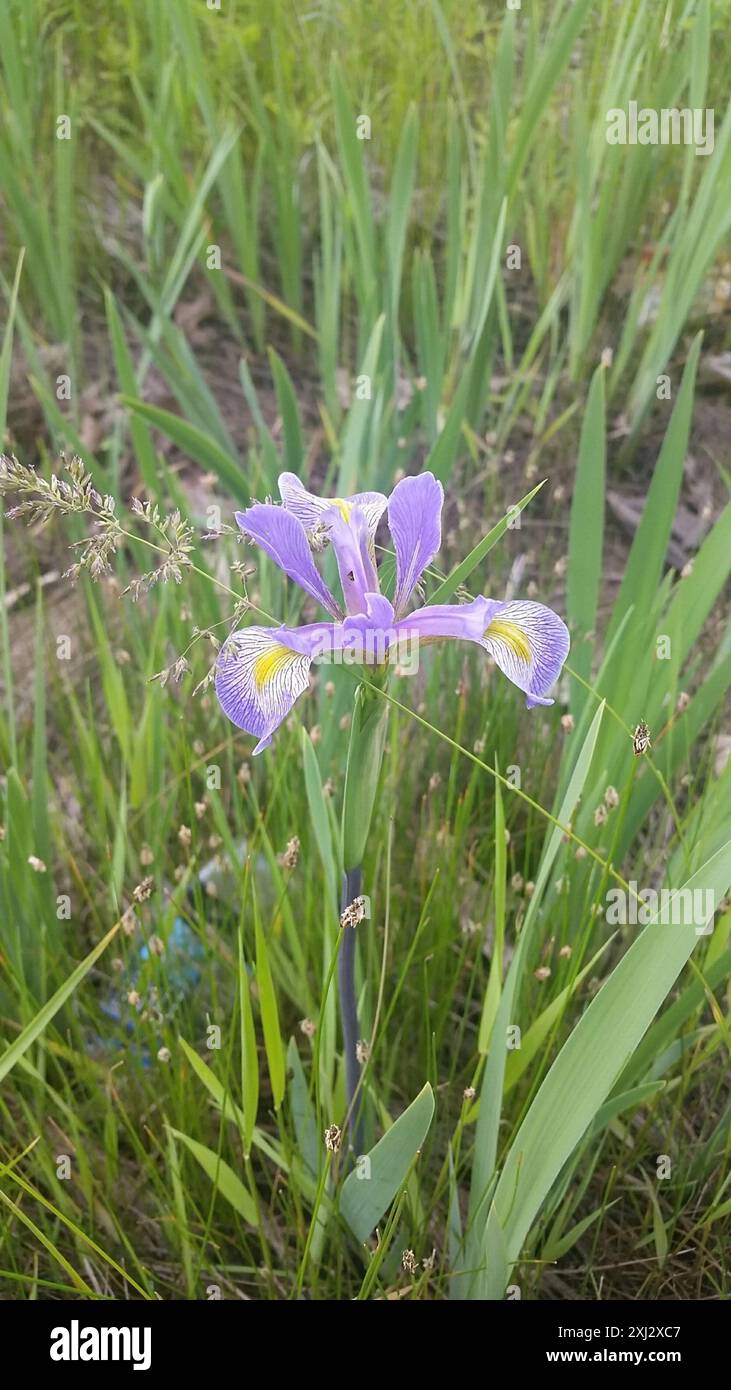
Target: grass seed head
(353, 913)
(333, 1138)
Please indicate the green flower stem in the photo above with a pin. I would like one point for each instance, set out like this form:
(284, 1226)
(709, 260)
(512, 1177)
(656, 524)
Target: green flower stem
(352, 883)
(365, 755)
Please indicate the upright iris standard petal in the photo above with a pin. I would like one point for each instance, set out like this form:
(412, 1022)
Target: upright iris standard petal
(262, 671)
(354, 553)
(284, 539)
(528, 641)
(530, 644)
(309, 508)
(415, 523)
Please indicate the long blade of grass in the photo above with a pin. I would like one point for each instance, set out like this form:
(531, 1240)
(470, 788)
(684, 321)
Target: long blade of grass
(369, 1190)
(586, 535)
(462, 572)
(595, 1055)
(44, 1016)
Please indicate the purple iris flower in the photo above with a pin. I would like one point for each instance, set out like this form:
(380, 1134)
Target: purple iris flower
(262, 671)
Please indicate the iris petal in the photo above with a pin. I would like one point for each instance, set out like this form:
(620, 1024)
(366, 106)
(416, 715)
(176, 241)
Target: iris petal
(262, 671)
(530, 643)
(284, 539)
(415, 523)
(369, 635)
(466, 621)
(310, 509)
(353, 551)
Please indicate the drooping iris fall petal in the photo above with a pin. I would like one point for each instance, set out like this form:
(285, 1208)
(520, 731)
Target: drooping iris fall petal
(262, 671)
(528, 641)
(309, 508)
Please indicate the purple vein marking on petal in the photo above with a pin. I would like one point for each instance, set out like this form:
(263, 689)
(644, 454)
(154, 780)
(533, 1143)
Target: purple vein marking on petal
(528, 641)
(309, 508)
(415, 523)
(260, 673)
(530, 644)
(306, 506)
(284, 539)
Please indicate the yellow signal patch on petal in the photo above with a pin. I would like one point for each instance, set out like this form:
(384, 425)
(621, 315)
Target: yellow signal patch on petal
(502, 630)
(344, 509)
(269, 664)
